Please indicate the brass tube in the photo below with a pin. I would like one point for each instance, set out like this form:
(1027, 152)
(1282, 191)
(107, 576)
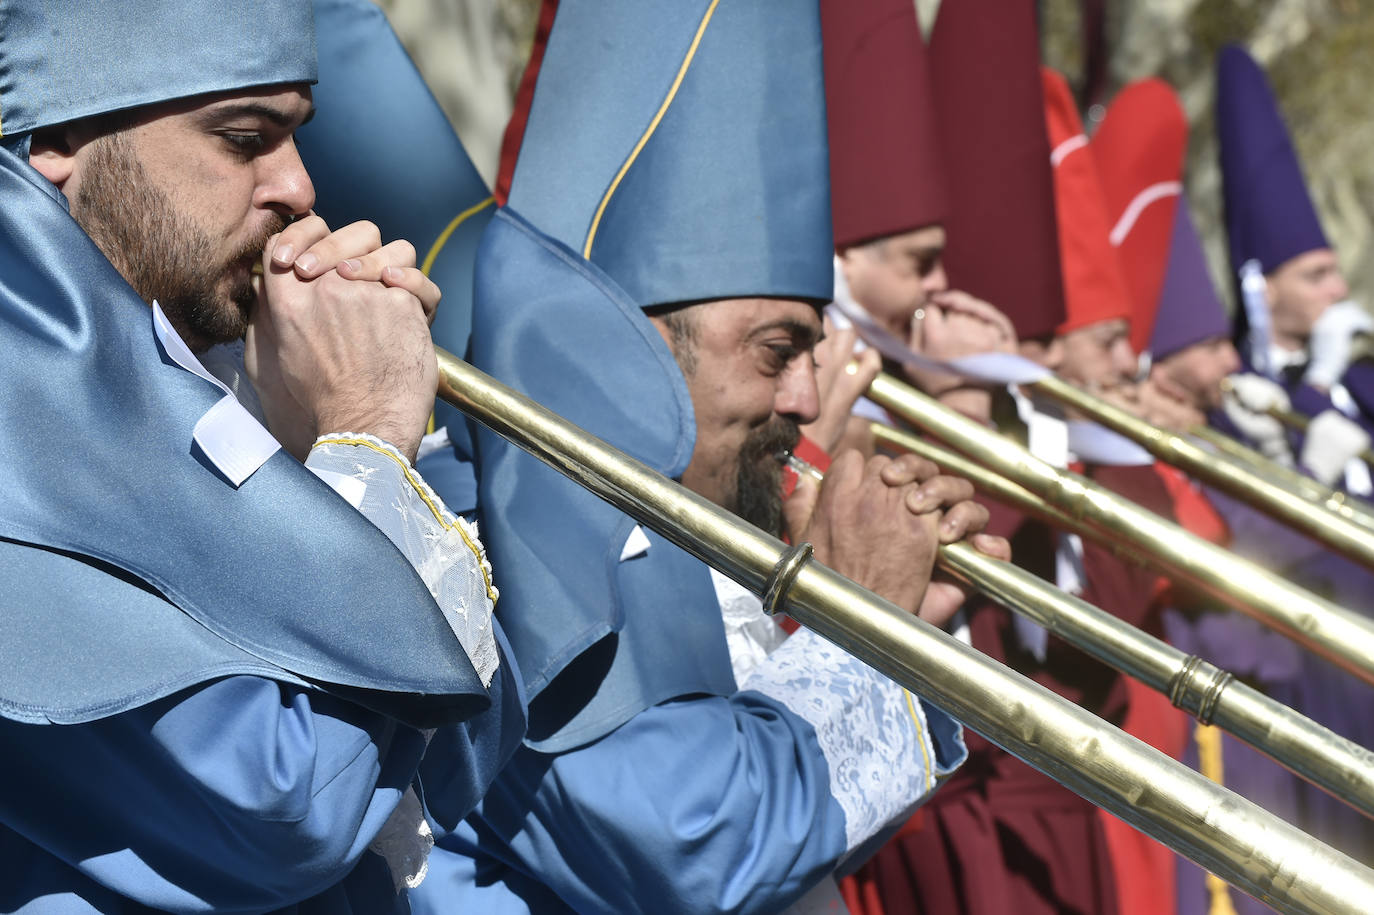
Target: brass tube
(1298, 421)
(986, 481)
(1338, 766)
(1223, 833)
(1343, 637)
(1345, 537)
(1333, 500)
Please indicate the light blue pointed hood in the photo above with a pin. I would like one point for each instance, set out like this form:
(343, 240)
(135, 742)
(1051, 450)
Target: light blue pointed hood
(61, 60)
(681, 147)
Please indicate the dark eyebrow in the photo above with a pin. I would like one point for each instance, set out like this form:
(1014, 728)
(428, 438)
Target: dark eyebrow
(231, 110)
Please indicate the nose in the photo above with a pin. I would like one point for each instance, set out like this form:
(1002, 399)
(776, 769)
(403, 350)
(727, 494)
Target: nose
(284, 186)
(797, 396)
(936, 280)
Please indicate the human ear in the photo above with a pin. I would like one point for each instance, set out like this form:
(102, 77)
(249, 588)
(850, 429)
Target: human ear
(53, 154)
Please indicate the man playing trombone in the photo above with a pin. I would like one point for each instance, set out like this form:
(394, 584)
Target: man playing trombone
(233, 612)
(683, 755)
(1296, 324)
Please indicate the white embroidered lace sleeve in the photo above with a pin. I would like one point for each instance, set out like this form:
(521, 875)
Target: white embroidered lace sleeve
(887, 750)
(443, 548)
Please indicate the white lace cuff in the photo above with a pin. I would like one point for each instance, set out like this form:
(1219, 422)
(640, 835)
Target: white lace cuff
(444, 548)
(886, 749)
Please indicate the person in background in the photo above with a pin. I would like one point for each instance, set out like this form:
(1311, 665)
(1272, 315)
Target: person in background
(1296, 325)
(889, 204)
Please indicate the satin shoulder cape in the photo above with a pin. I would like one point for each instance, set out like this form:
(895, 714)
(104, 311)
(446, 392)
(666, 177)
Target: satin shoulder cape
(132, 569)
(624, 635)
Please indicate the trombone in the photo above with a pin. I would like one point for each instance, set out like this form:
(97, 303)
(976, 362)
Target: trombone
(1299, 423)
(1223, 833)
(1332, 500)
(1338, 766)
(1335, 633)
(1345, 536)
(1296, 421)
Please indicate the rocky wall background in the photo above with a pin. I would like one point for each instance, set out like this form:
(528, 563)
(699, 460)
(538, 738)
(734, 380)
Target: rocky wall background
(1319, 54)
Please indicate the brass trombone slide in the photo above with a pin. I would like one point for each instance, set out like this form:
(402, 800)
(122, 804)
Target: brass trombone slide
(1299, 422)
(1225, 834)
(1343, 536)
(1343, 637)
(1331, 762)
(1333, 500)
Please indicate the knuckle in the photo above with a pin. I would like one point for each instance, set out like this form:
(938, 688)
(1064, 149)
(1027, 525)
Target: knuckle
(405, 250)
(401, 299)
(306, 224)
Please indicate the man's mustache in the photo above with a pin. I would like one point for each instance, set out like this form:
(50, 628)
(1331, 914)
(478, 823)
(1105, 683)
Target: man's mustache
(779, 434)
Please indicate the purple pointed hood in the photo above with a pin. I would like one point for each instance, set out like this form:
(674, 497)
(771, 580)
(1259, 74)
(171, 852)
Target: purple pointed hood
(1269, 216)
(1189, 309)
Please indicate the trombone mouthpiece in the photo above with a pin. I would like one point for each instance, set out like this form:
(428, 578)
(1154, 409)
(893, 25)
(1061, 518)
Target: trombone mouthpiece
(800, 467)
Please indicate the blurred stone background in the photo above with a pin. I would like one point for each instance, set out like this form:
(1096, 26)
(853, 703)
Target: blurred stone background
(1317, 52)
(472, 53)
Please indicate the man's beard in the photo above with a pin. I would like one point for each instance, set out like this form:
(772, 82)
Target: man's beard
(758, 499)
(161, 253)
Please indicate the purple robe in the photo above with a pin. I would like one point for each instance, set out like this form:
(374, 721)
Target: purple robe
(1290, 674)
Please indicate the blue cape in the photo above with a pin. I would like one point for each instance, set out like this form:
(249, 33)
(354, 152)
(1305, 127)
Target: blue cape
(553, 326)
(134, 569)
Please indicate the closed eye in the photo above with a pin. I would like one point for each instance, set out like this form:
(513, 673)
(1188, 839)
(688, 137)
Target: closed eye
(780, 354)
(245, 143)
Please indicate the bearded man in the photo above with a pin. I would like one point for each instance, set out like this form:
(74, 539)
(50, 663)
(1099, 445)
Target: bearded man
(217, 676)
(685, 755)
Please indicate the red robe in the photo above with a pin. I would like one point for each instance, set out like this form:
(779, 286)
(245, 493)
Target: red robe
(1146, 871)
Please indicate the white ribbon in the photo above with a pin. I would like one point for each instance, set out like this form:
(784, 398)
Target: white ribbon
(1094, 444)
(1256, 315)
(988, 368)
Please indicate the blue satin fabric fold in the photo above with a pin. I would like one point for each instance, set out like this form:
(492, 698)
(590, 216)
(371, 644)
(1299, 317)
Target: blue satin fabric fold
(237, 796)
(96, 445)
(695, 133)
(380, 148)
(708, 805)
(553, 326)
